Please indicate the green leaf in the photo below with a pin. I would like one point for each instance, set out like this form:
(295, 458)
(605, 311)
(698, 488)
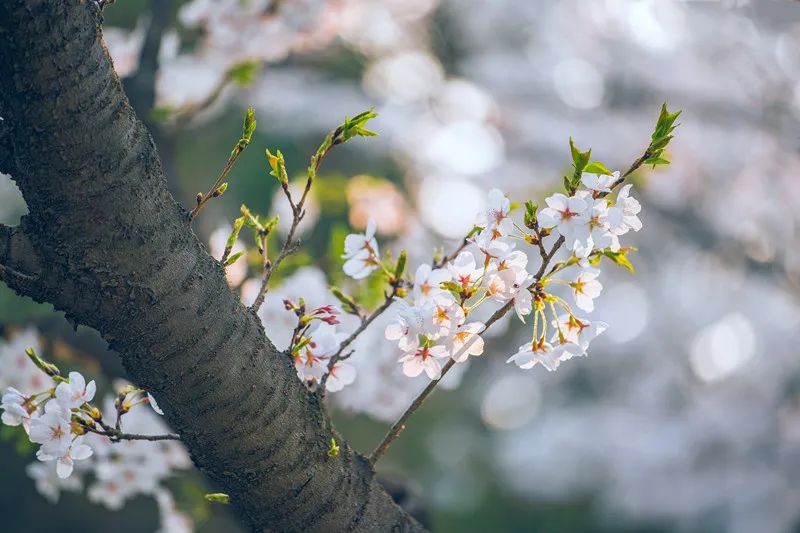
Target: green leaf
(400, 267)
(579, 159)
(218, 497)
(621, 257)
(278, 166)
(249, 125)
(530, 214)
(233, 258)
(596, 167)
(347, 301)
(244, 73)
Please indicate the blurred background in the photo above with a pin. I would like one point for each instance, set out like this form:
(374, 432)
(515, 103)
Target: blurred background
(686, 417)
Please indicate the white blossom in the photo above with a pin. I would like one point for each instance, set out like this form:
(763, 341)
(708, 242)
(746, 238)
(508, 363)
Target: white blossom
(623, 216)
(361, 253)
(568, 216)
(341, 375)
(463, 269)
(465, 341)
(497, 216)
(424, 358)
(427, 283)
(599, 182)
(578, 331)
(17, 408)
(543, 353)
(75, 392)
(410, 322)
(52, 430)
(586, 288)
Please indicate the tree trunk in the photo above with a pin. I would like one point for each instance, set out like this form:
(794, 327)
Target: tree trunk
(107, 244)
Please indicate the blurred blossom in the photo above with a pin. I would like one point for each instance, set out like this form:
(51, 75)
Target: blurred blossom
(511, 402)
(578, 83)
(462, 100)
(465, 148)
(722, 348)
(405, 77)
(624, 304)
(449, 206)
(124, 46)
(378, 199)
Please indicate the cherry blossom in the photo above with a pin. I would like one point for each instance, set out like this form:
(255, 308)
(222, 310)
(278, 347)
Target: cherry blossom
(599, 182)
(539, 352)
(311, 360)
(411, 322)
(424, 358)
(497, 216)
(48, 483)
(17, 408)
(578, 331)
(77, 451)
(465, 341)
(361, 252)
(623, 216)
(464, 270)
(586, 288)
(599, 235)
(341, 375)
(568, 216)
(427, 283)
(447, 316)
(75, 392)
(52, 430)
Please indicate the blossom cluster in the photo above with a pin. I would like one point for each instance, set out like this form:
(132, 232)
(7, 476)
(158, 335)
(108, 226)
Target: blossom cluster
(57, 414)
(432, 320)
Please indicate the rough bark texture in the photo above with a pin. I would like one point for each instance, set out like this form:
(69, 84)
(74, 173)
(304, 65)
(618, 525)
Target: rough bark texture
(106, 243)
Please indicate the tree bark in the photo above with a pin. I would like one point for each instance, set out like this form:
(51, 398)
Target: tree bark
(107, 244)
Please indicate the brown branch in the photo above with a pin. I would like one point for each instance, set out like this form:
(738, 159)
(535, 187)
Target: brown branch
(117, 435)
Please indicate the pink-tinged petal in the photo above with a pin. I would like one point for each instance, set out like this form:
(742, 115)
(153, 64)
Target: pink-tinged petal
(432, 368)
(476, 348)
(413, 367)
(346, 373)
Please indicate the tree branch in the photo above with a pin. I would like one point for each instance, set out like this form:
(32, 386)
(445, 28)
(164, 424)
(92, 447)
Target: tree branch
(120, 258)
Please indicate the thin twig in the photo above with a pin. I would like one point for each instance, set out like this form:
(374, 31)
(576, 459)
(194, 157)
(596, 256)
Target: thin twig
(365, 322)
(446, 259)
(400, 425)
(117, 436)
(202, 201)
(298, 212)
